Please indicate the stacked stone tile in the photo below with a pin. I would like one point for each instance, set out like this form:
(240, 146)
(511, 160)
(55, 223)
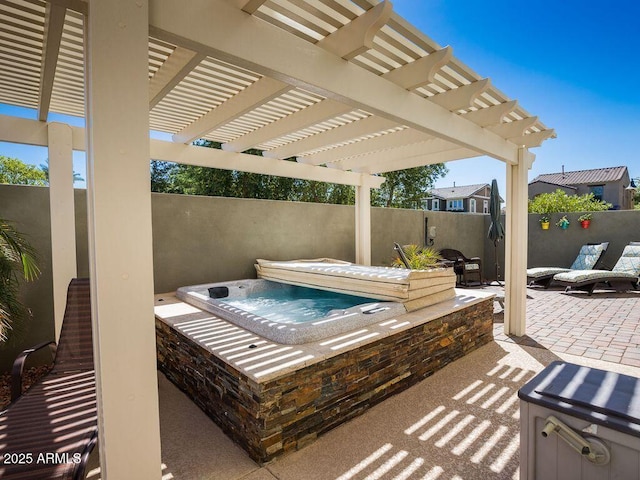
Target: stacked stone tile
(285, 412)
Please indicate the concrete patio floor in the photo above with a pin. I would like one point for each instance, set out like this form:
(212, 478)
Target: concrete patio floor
(460, 423)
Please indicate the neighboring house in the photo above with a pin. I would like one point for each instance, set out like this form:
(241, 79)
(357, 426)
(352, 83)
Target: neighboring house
(467, 198)
(611, 184)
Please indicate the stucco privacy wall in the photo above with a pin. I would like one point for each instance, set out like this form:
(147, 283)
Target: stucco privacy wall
(207, 239)
(559, 247)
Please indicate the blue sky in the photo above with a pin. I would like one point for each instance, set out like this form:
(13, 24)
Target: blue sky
(573, 64)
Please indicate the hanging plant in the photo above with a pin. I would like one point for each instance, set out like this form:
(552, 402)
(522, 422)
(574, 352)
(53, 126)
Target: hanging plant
(563, 223)
(585, 220)
(544, 221)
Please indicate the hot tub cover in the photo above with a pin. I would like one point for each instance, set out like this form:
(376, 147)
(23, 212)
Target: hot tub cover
(415, 288)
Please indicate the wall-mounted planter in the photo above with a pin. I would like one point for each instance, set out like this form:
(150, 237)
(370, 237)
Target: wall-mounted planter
(563, 223)
(585, 223)
(544, 225)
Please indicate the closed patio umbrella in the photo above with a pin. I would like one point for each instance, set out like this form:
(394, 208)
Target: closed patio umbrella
(496, 229)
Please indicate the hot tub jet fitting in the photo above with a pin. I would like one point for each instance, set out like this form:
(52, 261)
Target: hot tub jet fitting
(593, 449)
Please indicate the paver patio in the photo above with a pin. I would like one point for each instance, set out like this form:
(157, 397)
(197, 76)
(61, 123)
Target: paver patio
(604, 326)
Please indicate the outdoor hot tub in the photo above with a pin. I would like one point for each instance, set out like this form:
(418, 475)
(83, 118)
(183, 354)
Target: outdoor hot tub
(288, 314)
(275, 365)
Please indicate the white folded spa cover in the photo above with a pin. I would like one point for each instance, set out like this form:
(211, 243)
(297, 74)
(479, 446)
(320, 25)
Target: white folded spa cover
(415, 288)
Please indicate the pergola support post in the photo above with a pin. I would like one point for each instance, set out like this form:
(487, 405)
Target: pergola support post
(120, 243)
(516, 240)
(62, 209)
(363, 224)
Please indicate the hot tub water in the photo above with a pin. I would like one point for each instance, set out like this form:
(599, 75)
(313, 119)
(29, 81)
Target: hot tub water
(285, 313)
(293, 304)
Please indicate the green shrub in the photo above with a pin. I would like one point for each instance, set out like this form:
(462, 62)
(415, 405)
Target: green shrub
(559, 201)
(420, 258)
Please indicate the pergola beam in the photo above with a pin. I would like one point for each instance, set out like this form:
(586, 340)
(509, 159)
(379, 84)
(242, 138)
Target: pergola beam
(32, 132)
(534, 139)
(461, 97)
(215, 158)
(420, 72)
(491, 115)
(53, 27)
(23, 130)
(333, 157)
(251, 6)
(357, 36)
(80, 6)
(276, 53)
(299, 120)
(383, 166)
(391, 155)
(350, 131)
(171, 72)
(513, 129)
(260, 91)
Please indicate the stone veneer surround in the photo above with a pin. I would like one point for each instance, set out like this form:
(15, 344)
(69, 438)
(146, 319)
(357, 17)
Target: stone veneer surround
(281, 413)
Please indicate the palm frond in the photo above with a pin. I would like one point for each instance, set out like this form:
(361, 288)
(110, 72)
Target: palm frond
(18, 259)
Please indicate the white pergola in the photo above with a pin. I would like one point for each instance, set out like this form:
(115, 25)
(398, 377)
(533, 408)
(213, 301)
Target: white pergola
(331, 90)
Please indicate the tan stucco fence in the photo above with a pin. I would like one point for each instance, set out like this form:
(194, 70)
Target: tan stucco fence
(209, 239)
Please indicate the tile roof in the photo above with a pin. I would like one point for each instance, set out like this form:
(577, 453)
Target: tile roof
(568, 187)
(463, 191)
(597, 175)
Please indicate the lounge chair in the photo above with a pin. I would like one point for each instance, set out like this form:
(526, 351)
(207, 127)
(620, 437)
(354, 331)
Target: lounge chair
(466, 269)
(49, 431)
(588, 258)
(624, 275)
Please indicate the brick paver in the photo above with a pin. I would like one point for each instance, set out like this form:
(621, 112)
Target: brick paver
(604, 326)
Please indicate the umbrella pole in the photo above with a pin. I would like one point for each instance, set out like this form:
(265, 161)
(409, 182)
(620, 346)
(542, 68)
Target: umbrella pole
(495, 249)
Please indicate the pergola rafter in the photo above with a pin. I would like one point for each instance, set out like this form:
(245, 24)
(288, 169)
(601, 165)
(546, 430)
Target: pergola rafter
(421, 71)
(171, 73)
(441, 156)
(311, 115)
(357, 36)
(461, 98)
(54, 23)
(359, 128)
(259, 92)
(396, 155)
(333, 156)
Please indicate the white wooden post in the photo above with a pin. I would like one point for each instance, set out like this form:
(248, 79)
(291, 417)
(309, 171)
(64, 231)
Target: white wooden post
(120, 246)
(363, 223)
(516, 245)
(62, 209)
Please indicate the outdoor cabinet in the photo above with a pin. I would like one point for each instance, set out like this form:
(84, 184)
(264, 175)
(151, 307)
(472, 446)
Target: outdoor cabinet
(579, 423)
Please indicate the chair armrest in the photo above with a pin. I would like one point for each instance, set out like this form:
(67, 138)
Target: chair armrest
(474, 259)
(18, 367)
(81, 469)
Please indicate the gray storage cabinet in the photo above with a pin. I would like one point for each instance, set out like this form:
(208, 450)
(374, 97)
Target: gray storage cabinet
(579, 423)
